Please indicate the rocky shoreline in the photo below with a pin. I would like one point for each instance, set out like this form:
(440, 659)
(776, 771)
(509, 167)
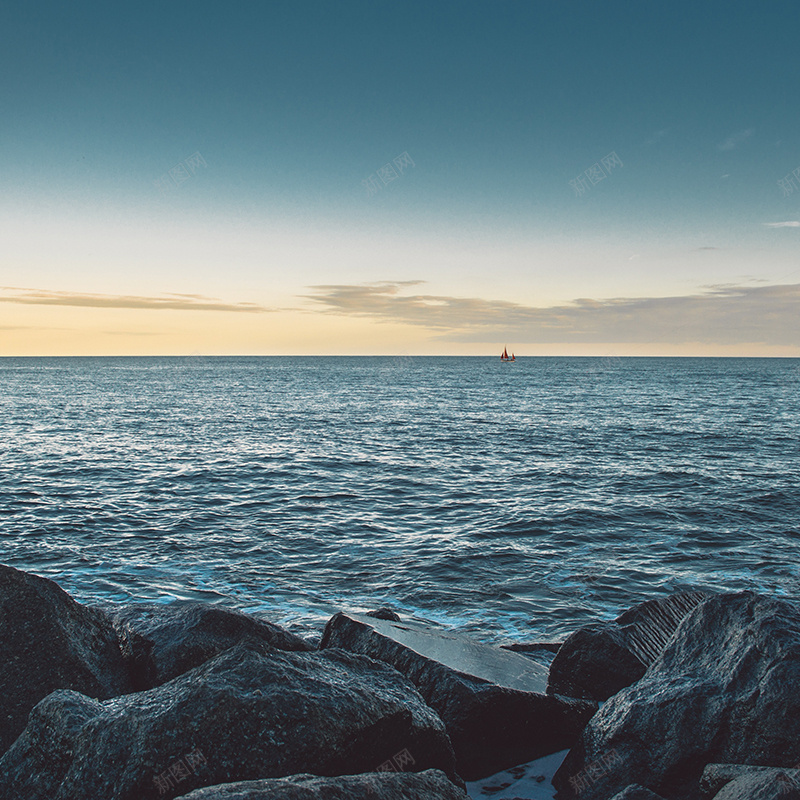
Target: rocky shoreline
(687, 697)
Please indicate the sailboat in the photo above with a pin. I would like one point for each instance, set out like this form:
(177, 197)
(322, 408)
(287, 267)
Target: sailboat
(506, 357)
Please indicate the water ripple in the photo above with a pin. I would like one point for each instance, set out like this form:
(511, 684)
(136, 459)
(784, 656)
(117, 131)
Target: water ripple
(513, 501)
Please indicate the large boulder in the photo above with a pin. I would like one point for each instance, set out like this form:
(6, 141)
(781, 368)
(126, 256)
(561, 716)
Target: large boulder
(251, 712)
(182, 635)
(492, 701)
(744, 782)
(429, 785)
(725, 689)
(51, 642)
(598, 660)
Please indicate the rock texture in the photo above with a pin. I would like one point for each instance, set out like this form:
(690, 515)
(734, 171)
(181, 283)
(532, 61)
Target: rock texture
(598, 660)
(742, 782)
(384, 612)
(725, 689)
(772, 784)
(493, 702)
(51, 642)
(636, 792)
(429, 785)
(182, 635)
(252, 712)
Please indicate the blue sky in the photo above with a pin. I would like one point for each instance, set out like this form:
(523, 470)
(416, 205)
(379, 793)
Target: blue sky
(195, 177)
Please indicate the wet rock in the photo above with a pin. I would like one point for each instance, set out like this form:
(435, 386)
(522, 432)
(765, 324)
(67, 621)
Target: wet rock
(542, 652)
(182, 635)
(598, 660)
(725, 689)
(493, 702)
(533, 647)
(51, 642)
(251, 712)
(742, 781)
(429, 785)
(384, 612)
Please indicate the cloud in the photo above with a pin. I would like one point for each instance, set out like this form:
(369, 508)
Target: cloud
(133, 333)
(175, 302)
(724, 314)
(735, 139)
(657, 136)
(790, 224)
(707, 247)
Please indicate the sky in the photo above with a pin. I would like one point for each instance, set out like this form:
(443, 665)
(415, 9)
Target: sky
(437, 177)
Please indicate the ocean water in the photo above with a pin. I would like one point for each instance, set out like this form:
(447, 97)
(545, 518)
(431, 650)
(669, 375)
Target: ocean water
(511, 501)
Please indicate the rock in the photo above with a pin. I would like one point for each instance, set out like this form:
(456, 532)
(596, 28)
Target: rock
(493, 702)
(715, 776)
(747, 781)
(429, 785)
(384, 612)
(51, 642)
(598, 660)
(769, 784)
(636, 792)
(533, 647)
(725, 689)
(182, 635)
(251, 712)
(542, 652)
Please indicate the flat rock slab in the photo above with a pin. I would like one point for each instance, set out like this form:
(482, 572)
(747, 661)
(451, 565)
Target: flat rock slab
(459, 653)
(725, 689)
(429, 785)
(251, 712)
(51, 642)
(492, 701)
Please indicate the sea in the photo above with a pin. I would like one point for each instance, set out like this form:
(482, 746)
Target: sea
(512, 501)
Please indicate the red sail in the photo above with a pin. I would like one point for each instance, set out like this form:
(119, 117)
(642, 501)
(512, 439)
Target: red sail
(505, 353)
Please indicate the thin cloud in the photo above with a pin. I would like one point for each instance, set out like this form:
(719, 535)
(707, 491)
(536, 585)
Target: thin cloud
(723, 314)
(174, 302)
(736, 139)
(657, 136)
(133, 333)
(790, 224)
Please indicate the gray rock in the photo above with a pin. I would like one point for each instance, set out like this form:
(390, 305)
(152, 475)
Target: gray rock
(182, 635)
(51, 642)
(429, 785)
(493, 702)
(636, 792)
(542, 652)
(725, 689)
(251, 712)
(769, 784)
(746, 780)
(715, 776)
(598, 660)
(384, 612)
(533, 647)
